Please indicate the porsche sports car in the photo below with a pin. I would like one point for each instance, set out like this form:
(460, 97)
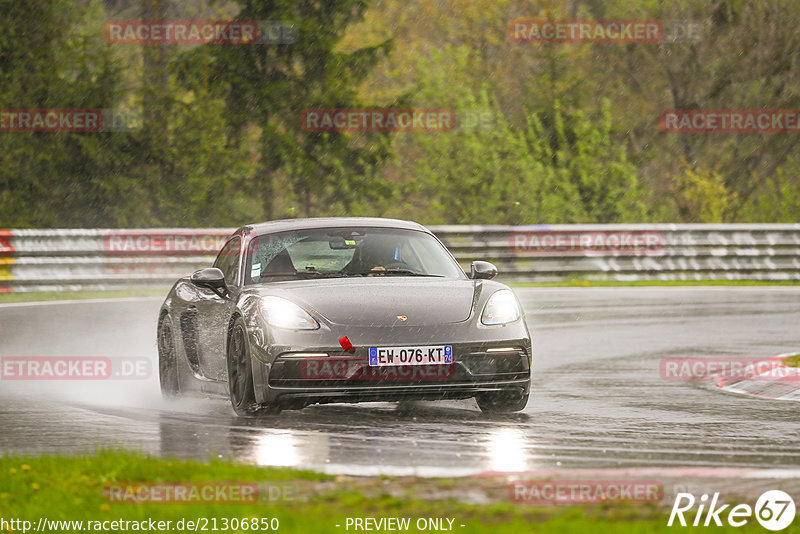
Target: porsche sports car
(306, 311)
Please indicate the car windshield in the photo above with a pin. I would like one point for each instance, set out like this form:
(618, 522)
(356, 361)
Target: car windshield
(347, 252)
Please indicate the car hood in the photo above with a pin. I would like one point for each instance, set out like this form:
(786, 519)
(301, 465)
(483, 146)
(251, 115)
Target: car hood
(378, 301)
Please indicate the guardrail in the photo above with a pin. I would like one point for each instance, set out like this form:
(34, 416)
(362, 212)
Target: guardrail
(106, 259)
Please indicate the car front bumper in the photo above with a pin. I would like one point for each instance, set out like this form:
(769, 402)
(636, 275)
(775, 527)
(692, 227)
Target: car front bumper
(302, 368)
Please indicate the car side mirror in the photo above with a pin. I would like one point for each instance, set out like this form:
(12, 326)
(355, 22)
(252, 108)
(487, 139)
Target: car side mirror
(482, 270)
(211, 278)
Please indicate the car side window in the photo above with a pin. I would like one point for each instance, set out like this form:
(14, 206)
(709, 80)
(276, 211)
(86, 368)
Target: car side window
(228, 259)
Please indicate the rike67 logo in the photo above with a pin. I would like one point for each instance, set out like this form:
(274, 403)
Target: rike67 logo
(774, 510)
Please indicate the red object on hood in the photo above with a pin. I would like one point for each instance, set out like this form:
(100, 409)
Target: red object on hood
(346, 345)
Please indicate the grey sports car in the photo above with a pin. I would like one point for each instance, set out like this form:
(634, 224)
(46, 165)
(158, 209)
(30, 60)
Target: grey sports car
(307, 311)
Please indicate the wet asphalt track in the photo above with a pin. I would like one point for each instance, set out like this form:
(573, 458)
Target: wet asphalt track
(598, 399)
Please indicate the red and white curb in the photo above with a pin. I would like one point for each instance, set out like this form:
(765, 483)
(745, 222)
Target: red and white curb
(770, 380)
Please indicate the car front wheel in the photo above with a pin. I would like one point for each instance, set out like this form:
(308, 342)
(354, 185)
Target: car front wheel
(167, 360)
(240, 373)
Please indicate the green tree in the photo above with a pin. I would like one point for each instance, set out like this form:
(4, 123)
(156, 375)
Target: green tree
(266, 87)
(779, 199)
(50, 58)
(592, 167)
(702, 196)
(568, 171)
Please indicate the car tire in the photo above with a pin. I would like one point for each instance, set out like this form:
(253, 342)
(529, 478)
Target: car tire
(502, 401)
(167, 359)
(240, 373)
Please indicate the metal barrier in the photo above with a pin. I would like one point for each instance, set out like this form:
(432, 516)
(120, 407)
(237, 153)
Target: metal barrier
(632, 252)
(106, 259)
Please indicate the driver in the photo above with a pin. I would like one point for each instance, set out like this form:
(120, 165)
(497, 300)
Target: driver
(376, 253)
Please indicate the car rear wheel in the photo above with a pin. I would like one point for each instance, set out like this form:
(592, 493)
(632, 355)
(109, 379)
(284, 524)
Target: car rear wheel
(240, 373)
(502, 401)
(167, 360)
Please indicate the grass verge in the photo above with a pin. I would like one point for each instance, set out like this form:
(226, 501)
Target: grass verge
(71, 489)
(792, 361)
(575, 282)
(38, 296)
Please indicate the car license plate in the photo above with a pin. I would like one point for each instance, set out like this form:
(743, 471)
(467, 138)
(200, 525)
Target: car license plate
(428, 355)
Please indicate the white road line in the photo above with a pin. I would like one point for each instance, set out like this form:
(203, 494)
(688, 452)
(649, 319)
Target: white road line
(77, 301)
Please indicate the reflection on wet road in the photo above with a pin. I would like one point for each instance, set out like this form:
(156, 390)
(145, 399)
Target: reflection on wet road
(597, 401)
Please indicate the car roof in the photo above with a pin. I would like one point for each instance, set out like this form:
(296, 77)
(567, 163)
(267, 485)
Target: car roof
(328, 222)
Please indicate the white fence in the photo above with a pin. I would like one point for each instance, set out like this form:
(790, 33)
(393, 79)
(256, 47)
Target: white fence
(105, 259)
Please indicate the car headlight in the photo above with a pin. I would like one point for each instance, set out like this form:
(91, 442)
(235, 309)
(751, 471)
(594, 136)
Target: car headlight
(502, 308)
(286, 314)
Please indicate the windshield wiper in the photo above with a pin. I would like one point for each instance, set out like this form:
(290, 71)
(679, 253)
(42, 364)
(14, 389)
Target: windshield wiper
(403, 272)
(308, 272)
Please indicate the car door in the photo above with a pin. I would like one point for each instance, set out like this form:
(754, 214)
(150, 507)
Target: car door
(214, 312)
